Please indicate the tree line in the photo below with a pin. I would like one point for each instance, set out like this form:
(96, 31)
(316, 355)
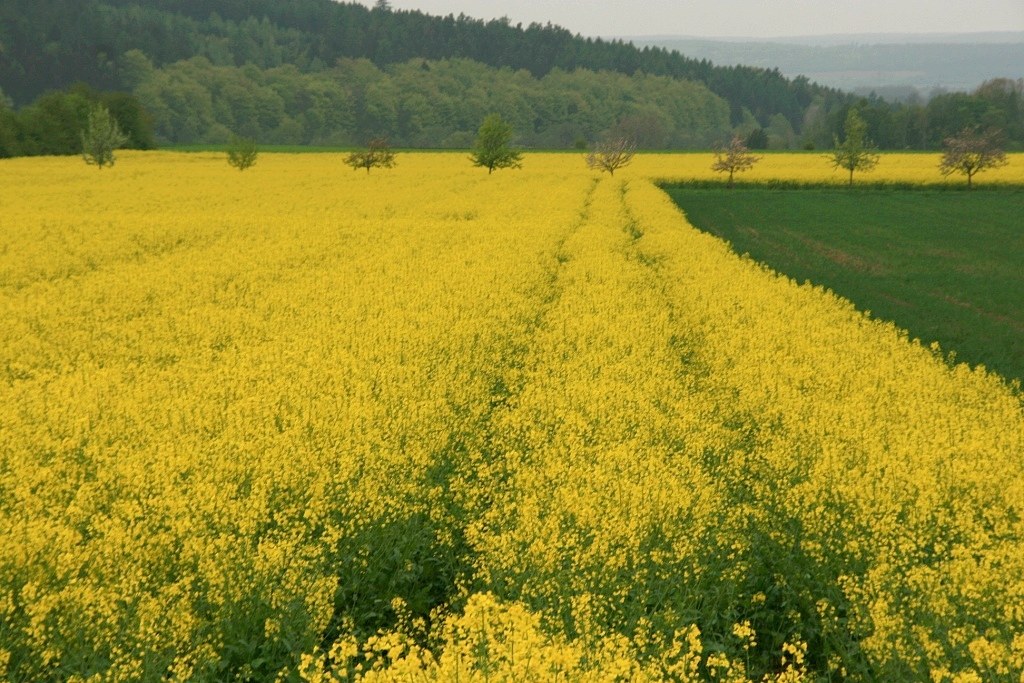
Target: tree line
(321, 72)
(59, 42)
(55, 122)
(420, 103)
(996, 105)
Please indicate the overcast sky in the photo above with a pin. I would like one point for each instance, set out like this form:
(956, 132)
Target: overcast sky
(746, 18)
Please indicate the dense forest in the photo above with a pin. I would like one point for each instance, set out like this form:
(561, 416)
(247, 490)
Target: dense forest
(321, 72)
(424, 103)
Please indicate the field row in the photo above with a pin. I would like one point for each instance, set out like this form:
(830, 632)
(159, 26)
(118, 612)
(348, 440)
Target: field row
(432, 424)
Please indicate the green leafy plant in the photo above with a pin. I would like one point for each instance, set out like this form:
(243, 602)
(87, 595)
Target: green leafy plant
(378, 154)
(855, 152)
(100, 137)
(242, 152)
(491, 149)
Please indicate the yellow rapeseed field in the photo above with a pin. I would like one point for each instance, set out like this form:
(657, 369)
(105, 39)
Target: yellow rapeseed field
(428, 424)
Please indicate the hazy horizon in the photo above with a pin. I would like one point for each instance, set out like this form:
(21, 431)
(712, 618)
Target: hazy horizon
(829, 39)
(750, 19)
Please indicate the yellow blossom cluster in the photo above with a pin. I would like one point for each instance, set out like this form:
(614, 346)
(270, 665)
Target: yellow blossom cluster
(430, 424)
(814, 167)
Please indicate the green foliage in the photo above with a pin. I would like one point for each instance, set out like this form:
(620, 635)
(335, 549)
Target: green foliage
(312, 34)
(378, 154)
(242, 152)
(757, 139)
(131, 117)
(135, 68)
(855, 152)
(9, 143)
(941, 264)
(101, 137)
(434, 104)
(491, 149)
(54, 123)
(293, 93)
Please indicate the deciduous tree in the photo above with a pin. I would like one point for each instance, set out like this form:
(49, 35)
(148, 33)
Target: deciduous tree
(242, 152)
(734, 159)
(855, 152)
(492, 147)
(9, 144)
(970, 152)
(757, 139)
(378, 154)
(612, 154)
(101, 137)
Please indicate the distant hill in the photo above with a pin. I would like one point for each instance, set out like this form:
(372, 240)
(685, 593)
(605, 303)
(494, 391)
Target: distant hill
(55, 43)
(335, 73)
(981, 38)
(951, 62)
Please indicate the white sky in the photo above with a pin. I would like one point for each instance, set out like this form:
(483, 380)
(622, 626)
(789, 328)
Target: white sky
(746, 18)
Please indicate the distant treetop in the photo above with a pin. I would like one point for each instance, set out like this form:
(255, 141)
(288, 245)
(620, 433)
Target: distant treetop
(277, 48)
(312, 33)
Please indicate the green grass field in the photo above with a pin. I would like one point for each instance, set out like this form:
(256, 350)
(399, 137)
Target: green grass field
(946, 266)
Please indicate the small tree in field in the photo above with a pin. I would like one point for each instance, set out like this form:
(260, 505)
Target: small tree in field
(612, 154)
(378, 154)
(242, 152)
(970, 152)
(491, 149)
(855, 153)
(734, 158)
(101, 137)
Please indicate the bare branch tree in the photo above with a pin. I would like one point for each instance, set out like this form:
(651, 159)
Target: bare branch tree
(612, 154)
(970, 152)
(734, 158)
